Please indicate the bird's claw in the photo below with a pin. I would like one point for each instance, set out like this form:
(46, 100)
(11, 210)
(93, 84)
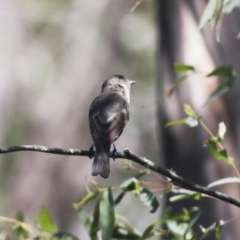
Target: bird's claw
(114, 151)
(91, 152)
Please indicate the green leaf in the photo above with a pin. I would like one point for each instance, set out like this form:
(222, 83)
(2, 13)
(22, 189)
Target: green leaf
(107, 218)
(131, 184)
(224, 181)
(226, 72)
(85, 220)
(20, 217)
(219, 154)
(64, 236)
(214, 228)
(148, 232)
(192, 121)
(83, 201)
(149, 199)
(190, 225)
(218, 230)
(198, 196)
(119, 198)
(138, 188)
(122, 231)
(180, 197)
(127, 164)
(95, 227)
(213, 14)
(178, 122)
(182, 216)
(182, 68)
(223, 71)
(18, 231)
(142, 173)
(146, 196)
(221, 130)
(223, 88)
(45, 221)
(208, 13)
(218, 15)
(189, 111)
(179, 228)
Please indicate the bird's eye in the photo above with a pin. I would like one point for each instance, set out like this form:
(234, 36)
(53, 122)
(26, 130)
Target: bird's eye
(120, 86)
(120, 76)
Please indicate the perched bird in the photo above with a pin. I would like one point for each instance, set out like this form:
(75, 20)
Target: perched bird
(108, 116)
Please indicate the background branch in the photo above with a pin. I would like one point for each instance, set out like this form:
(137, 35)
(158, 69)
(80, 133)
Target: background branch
(127, 154)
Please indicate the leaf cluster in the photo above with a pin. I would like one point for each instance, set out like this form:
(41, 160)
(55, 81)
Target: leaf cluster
(214, 12)
(108, 224)
(227, 75)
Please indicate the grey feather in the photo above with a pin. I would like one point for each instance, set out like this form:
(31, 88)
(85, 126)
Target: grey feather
(108, 116)
(101, 164)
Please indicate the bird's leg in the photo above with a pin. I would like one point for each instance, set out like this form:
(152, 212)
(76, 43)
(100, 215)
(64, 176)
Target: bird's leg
(114, 151)
(91, 152)
(114, 148)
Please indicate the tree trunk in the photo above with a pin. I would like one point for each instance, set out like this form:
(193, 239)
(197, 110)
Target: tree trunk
(182, 146)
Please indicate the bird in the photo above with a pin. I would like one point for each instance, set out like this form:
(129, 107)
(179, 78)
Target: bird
(108, 115)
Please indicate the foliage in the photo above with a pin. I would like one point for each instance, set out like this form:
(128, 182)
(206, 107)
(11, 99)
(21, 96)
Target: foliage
(44, 228)
(227, 76)
(214, 142)
(214, 12)
(111, 225)
(184, 70)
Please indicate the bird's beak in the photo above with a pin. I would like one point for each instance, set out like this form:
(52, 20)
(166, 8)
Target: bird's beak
(132, 82)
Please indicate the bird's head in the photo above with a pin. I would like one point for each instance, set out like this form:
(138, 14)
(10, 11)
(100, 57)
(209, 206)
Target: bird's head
(118, 83)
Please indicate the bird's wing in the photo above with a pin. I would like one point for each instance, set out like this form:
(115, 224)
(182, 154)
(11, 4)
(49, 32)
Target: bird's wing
(108, 116)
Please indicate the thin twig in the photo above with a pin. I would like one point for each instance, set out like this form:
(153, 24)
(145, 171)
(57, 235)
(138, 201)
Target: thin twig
(178, 180)
(236, 169)
(127, 154)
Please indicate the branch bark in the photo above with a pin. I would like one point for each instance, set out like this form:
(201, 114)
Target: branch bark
(127, 154)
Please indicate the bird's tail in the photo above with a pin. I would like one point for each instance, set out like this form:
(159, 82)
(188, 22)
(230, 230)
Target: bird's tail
(101, 164)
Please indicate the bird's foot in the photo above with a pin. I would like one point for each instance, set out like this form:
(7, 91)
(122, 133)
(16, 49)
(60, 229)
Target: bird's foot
(91, 152)
(114, 152)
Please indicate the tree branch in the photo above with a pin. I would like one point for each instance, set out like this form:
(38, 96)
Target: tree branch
(127, 154)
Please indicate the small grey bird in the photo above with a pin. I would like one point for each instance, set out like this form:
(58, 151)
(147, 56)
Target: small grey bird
(108, 116)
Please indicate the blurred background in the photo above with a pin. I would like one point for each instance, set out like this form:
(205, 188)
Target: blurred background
(54, 57)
